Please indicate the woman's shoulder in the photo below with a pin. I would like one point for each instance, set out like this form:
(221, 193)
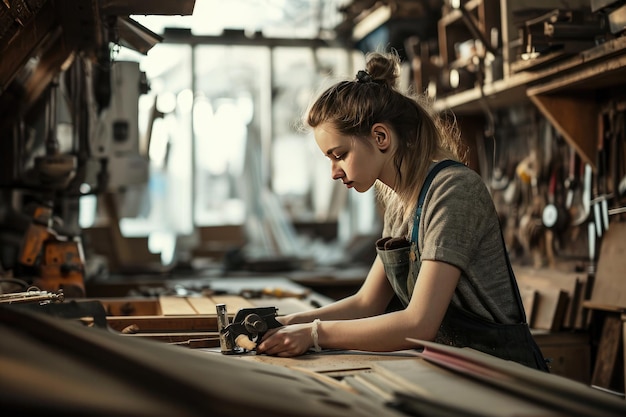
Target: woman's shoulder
(461, 180)
(460, 173)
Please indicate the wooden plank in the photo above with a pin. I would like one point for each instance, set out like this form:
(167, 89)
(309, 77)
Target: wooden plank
(432, 385)
(529, 298)
(178, 337)
(164, 323)
(550, 310)
(608, 349)
(609, 285)
(284, 305)
(567, 396)
(581, 316)
(338, 362)
(234, 303)
(175, 306)
(202, 305)
(571, 282)
(130, 306)
(624, 346)
(610, 308)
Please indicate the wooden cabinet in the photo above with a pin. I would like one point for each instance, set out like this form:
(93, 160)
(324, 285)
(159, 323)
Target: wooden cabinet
(569, 354)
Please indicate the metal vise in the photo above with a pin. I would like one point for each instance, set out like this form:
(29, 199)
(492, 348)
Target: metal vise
(248, 326)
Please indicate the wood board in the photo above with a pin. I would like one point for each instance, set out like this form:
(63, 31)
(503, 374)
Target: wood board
(608, 350)
(177, 306)
(549, 307)
(529, 301)
(333, 362)
(154, 324)
(609, 287)
(544, 281)
(285, 306)
(571, 397)
(203, 305)
(234, 303)
(624, 345)
(427, 382)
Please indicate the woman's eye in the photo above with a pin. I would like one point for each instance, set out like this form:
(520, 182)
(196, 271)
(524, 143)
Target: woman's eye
(339, 156)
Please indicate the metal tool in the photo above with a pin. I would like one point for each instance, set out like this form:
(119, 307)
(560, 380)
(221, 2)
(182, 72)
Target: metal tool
(273, 292)
(32, 296)
(248, 326)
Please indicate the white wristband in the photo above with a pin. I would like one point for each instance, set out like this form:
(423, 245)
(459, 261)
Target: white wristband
(315, 336)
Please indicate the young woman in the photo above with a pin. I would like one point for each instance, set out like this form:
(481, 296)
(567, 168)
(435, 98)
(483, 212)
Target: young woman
(446, 260)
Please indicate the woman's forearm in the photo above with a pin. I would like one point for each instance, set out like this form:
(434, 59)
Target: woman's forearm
(344, 309)
(382, 333)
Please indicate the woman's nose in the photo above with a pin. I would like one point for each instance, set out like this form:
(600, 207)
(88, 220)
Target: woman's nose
(336, 172)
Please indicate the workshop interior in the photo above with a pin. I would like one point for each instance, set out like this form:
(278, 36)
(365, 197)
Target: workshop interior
(160, 206)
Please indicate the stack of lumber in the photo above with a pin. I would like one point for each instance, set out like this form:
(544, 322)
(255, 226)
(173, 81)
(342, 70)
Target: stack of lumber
(552, 299)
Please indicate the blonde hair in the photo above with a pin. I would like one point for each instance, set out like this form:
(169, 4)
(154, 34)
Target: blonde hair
(423, 136)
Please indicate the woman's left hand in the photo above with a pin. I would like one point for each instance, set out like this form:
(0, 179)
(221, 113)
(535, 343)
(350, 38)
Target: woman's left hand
(292, 340)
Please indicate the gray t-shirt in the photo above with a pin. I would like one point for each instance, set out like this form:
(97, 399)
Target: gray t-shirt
(459, 225)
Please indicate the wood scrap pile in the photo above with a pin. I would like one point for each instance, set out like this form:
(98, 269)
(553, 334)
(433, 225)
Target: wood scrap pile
(552, 299)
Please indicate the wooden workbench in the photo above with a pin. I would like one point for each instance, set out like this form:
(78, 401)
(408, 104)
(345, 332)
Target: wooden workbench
(189, 319)
(446, 381)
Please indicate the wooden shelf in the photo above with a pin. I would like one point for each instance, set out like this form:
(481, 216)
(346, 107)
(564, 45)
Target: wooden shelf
(599, 67)
(453, 29)
(566, 93)
(499, 94)
(568, 98)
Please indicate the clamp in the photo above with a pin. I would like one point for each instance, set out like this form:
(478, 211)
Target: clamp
(248, 326)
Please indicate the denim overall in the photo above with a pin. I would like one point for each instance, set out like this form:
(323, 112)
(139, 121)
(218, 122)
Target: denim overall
(459, 328)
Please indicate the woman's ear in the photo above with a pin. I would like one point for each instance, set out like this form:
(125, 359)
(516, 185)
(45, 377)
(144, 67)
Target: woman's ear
(382, 137)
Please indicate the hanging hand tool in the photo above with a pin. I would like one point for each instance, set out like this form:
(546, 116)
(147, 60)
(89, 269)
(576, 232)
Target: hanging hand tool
(553, 216)
(571, 182)
(600, 202)
(248, 326)
(618, 138)
(586, 196)
(591, 268)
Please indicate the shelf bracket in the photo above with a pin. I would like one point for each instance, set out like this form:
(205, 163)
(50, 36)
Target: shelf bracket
(575, 118)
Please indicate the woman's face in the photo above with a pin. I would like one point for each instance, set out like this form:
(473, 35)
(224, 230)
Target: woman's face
(356, 162)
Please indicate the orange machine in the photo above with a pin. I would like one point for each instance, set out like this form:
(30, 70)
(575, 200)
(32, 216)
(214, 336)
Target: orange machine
(58, 260)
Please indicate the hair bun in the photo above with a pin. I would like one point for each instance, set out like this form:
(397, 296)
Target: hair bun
(383, 68)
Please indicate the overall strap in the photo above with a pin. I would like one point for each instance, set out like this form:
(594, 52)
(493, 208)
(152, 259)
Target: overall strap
(420, 202)
(518, 296)
(418, 212)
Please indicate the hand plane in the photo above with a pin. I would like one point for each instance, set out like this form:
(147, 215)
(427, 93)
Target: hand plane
(248, 327)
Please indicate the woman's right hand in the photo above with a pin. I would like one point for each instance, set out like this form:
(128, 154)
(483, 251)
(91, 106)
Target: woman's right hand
(287, 341)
